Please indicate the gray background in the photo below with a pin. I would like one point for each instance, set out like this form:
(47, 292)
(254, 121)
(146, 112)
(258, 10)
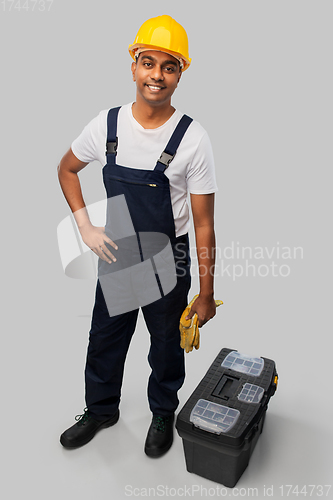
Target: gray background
(261, 84)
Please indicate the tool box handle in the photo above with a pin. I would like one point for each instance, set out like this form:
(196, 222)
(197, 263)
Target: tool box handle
(226, 387)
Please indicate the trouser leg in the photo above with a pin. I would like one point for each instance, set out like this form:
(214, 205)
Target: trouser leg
(109, 340)
(166, 357)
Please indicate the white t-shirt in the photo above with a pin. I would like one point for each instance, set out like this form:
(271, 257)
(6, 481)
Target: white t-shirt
(191, 171)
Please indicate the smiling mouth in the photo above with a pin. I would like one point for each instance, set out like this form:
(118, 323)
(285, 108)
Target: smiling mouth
(154, 88)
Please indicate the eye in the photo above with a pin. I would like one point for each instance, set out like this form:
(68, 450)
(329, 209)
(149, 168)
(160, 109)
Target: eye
(148, 64)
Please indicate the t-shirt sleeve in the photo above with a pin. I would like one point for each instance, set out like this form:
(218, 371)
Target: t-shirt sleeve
(84, 146)
(201, 177)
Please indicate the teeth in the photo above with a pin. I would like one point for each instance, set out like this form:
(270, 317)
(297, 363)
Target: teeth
(154, 88)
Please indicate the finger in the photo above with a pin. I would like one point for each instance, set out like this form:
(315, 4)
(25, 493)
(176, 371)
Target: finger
(107, 244)
(110, 242)
(200, 322)
(190, 314)
(108, 253)
(193, 300)
(101, 255)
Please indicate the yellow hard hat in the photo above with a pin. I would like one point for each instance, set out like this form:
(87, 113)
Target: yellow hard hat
(165, 34)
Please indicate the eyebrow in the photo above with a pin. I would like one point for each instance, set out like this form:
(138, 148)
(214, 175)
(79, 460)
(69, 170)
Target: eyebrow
(154, 60)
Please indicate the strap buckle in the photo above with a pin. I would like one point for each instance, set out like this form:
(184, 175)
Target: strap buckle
(111, 147)
(166, 159)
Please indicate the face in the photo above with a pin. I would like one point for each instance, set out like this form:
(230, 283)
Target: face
(156, 75)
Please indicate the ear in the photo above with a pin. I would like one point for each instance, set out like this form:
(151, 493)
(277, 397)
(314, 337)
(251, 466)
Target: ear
(133, 69)
(180, 74)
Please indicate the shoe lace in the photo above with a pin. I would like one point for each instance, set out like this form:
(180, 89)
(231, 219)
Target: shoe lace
(159, 422)
(84, 417)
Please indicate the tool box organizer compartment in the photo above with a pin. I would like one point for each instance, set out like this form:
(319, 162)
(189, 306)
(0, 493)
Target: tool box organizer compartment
(223, 418)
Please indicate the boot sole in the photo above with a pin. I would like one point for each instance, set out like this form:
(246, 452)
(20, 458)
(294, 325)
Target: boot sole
(157, 453)
(108, 423)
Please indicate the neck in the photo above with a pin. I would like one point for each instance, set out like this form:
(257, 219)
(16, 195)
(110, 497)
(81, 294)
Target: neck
(150, 116)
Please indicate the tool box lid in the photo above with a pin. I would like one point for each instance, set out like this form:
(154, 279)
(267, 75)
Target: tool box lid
(243, 363)
(213, 417)
(227, 404)
(251, 393)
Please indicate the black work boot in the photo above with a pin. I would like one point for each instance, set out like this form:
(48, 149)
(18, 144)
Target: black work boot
(85, 429)
(160, 436)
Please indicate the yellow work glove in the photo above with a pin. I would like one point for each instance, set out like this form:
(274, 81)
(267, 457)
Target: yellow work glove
(189, 328)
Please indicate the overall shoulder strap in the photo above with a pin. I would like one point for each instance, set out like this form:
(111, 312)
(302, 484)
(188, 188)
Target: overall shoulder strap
(171, 148)
(112, 139)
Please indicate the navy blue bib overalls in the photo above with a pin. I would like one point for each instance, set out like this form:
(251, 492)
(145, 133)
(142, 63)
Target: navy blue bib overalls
(147, 194)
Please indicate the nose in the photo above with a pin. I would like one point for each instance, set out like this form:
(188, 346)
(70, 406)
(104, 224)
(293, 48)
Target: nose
(157, 73)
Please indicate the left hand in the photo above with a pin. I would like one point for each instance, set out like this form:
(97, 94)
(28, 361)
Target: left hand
(205, 308)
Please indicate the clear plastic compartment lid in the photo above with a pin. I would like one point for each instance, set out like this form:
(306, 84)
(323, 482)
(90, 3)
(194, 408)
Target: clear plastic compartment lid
(212, 417)
(243, 363)
(251, 393)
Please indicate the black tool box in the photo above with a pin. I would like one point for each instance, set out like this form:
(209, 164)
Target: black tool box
(222, 420)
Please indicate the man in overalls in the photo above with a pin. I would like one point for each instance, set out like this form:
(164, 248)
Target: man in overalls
(129, 141)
